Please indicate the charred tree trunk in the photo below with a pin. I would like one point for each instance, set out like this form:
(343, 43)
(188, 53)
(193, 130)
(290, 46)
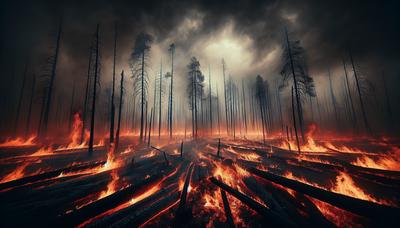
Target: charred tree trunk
(209, 94)
(388, 106)
(112, 114)
(84, 114)
(160, 103)
(96, 69)
(353, 113)
(364, 114)
(150, 122)
(121, 101)
(299, 111)
(172, 49)
(294, 124)
(142, 100)
(28, 121)
(226, 107)
(51, 84)
(20, 98)
(71, 108)
(244, 108)
(333, 99)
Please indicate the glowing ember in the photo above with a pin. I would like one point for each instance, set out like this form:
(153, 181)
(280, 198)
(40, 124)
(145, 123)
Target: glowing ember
(149, 155)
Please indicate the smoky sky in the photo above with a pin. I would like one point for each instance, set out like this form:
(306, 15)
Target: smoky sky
(326, 29)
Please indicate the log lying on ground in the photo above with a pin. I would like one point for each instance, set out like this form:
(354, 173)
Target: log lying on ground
(144, 214)
(121, 214)
(227, 209)
(76, 217)
(357, 206)
(50, 174)
(273, 218)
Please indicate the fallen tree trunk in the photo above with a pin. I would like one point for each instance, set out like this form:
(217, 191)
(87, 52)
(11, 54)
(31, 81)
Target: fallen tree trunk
(357, 206)
(143, 216)
(272, 217)
(119, 215)
(51, 174)
(228, 212)
(78, 216)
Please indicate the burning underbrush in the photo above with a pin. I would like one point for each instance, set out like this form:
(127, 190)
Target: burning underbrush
(204, 183)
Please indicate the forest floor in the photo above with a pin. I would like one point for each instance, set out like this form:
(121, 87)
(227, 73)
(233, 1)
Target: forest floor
(205, 182)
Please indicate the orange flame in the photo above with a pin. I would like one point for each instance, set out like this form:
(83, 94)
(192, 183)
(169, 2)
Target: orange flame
(19, 142)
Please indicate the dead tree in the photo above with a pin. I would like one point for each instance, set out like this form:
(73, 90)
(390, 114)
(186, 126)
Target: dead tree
(388, 106)
(51, 82)
(121, 101)
(172, 51)
(244, 107)
(112, 114)
(209, 95)
(150, 122)
(225, 104)
(32, 95)
(194, 91)
(138, 64)
(20, 98)
(260, 95)
(71, 108)
(86, 100)
(294, 66)
(333, 99)
(160, 102)
(294, 123)
(364, 114)
(96, 76)
(353, 113)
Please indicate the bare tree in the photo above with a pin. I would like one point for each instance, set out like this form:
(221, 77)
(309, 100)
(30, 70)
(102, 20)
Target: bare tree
(95, 82)
(112, 114)
(138, 63)
(54, 61)
(294, 66)
(121, 101)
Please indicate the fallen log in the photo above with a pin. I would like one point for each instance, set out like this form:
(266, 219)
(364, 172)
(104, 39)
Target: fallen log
(121, 214)
(273, 218)
(182, 202)
(227, 209)
(51, 174)
(144, 215)
(78, 216)
(357, 206)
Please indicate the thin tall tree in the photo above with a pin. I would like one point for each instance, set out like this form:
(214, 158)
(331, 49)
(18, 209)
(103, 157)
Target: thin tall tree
(96, 76)
(50, 89)
(32, 95)
(121, 101)
(112, 114)
(364, 114)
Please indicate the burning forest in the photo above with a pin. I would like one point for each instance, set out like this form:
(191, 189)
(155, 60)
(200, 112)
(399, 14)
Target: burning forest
(195, 113)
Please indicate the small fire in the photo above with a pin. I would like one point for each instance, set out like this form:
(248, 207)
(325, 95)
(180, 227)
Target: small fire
(345, 185)
(18, 173)
(128, 150)
(76, 134)
(19, 142)
(309, 146)
(44, 151)
(344, 149)
(246, 156)
(112, 185)
(384, 163)
(149, 155)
